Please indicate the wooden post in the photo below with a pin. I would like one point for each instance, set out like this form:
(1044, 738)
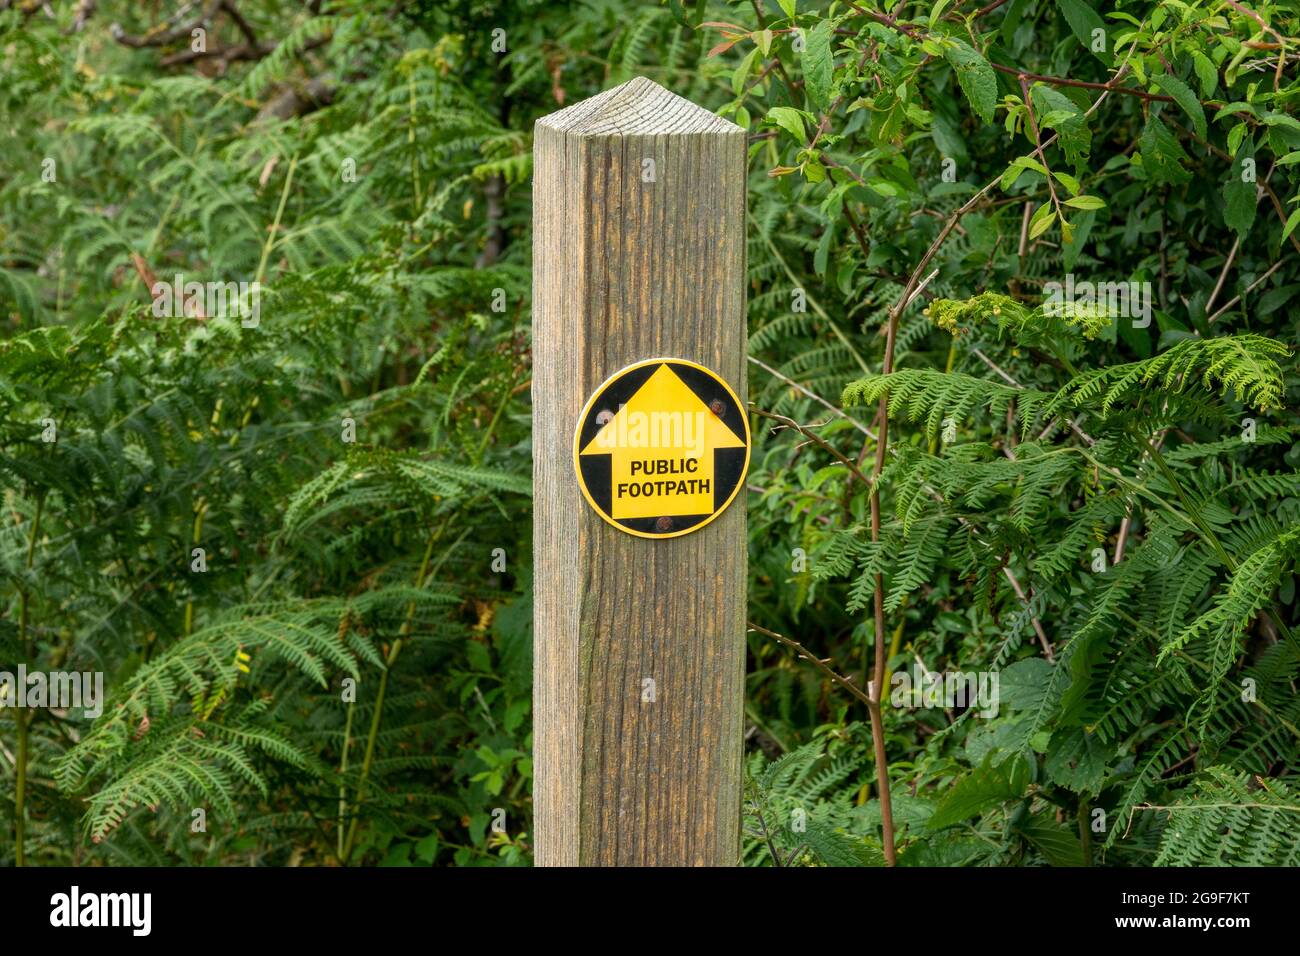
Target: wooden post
(638, 253)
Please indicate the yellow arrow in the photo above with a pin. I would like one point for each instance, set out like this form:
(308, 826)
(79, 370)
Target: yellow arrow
(661, 445)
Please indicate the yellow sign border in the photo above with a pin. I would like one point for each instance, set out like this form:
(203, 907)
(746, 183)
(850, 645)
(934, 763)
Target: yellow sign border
(590, 404)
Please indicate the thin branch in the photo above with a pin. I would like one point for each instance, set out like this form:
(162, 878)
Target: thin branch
(815, 439)
(813, 395)
(162, 34)
(1073, 424)
(821, 663)
(1024, 599)
(244, 26)
(1109, 86)
(983, 11)
(1227, 267)
(996, 368)
(1250, 288)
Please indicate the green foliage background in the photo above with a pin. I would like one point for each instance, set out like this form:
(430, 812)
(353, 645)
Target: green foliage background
(369, 165)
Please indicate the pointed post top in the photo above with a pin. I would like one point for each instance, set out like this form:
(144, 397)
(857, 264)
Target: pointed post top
(637, 107)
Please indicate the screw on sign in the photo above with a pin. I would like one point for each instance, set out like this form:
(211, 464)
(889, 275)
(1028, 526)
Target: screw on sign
(671, 458)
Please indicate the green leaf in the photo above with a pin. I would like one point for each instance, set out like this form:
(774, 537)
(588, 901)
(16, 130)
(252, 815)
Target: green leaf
(1077, 760)
(1084, 21)
(823, 253)
(790, 120)
(1185, 98)
(1162, 156)
(398, 855)
(1059, 845)
(1074, 248)
(819, 63)
(1068, 120)
(787, 7)
(1239, 204)
(742, 72)
(1235, 136)
(1292, 221)
(1068, 181)
(1028, 162)
(1270, 118)
(980, 789)
(1085, 202)
(1026, 685)
(836, 848)
(427, 849)
(1042, 220)
(977, 79)
(1206, 73)
(1231, 109)
(1054, 119)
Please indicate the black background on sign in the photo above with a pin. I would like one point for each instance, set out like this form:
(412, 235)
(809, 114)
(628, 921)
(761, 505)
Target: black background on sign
(728, 463)
(616, 393)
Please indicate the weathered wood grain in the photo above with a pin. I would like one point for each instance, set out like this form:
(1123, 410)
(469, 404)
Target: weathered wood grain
(625, 270)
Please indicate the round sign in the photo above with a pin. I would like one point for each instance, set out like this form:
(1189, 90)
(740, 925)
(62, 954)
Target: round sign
(661, 448)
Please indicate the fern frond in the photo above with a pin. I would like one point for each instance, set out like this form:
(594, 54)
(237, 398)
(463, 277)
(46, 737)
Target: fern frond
(917, 394)
(1245, 365)
(1231, 819)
